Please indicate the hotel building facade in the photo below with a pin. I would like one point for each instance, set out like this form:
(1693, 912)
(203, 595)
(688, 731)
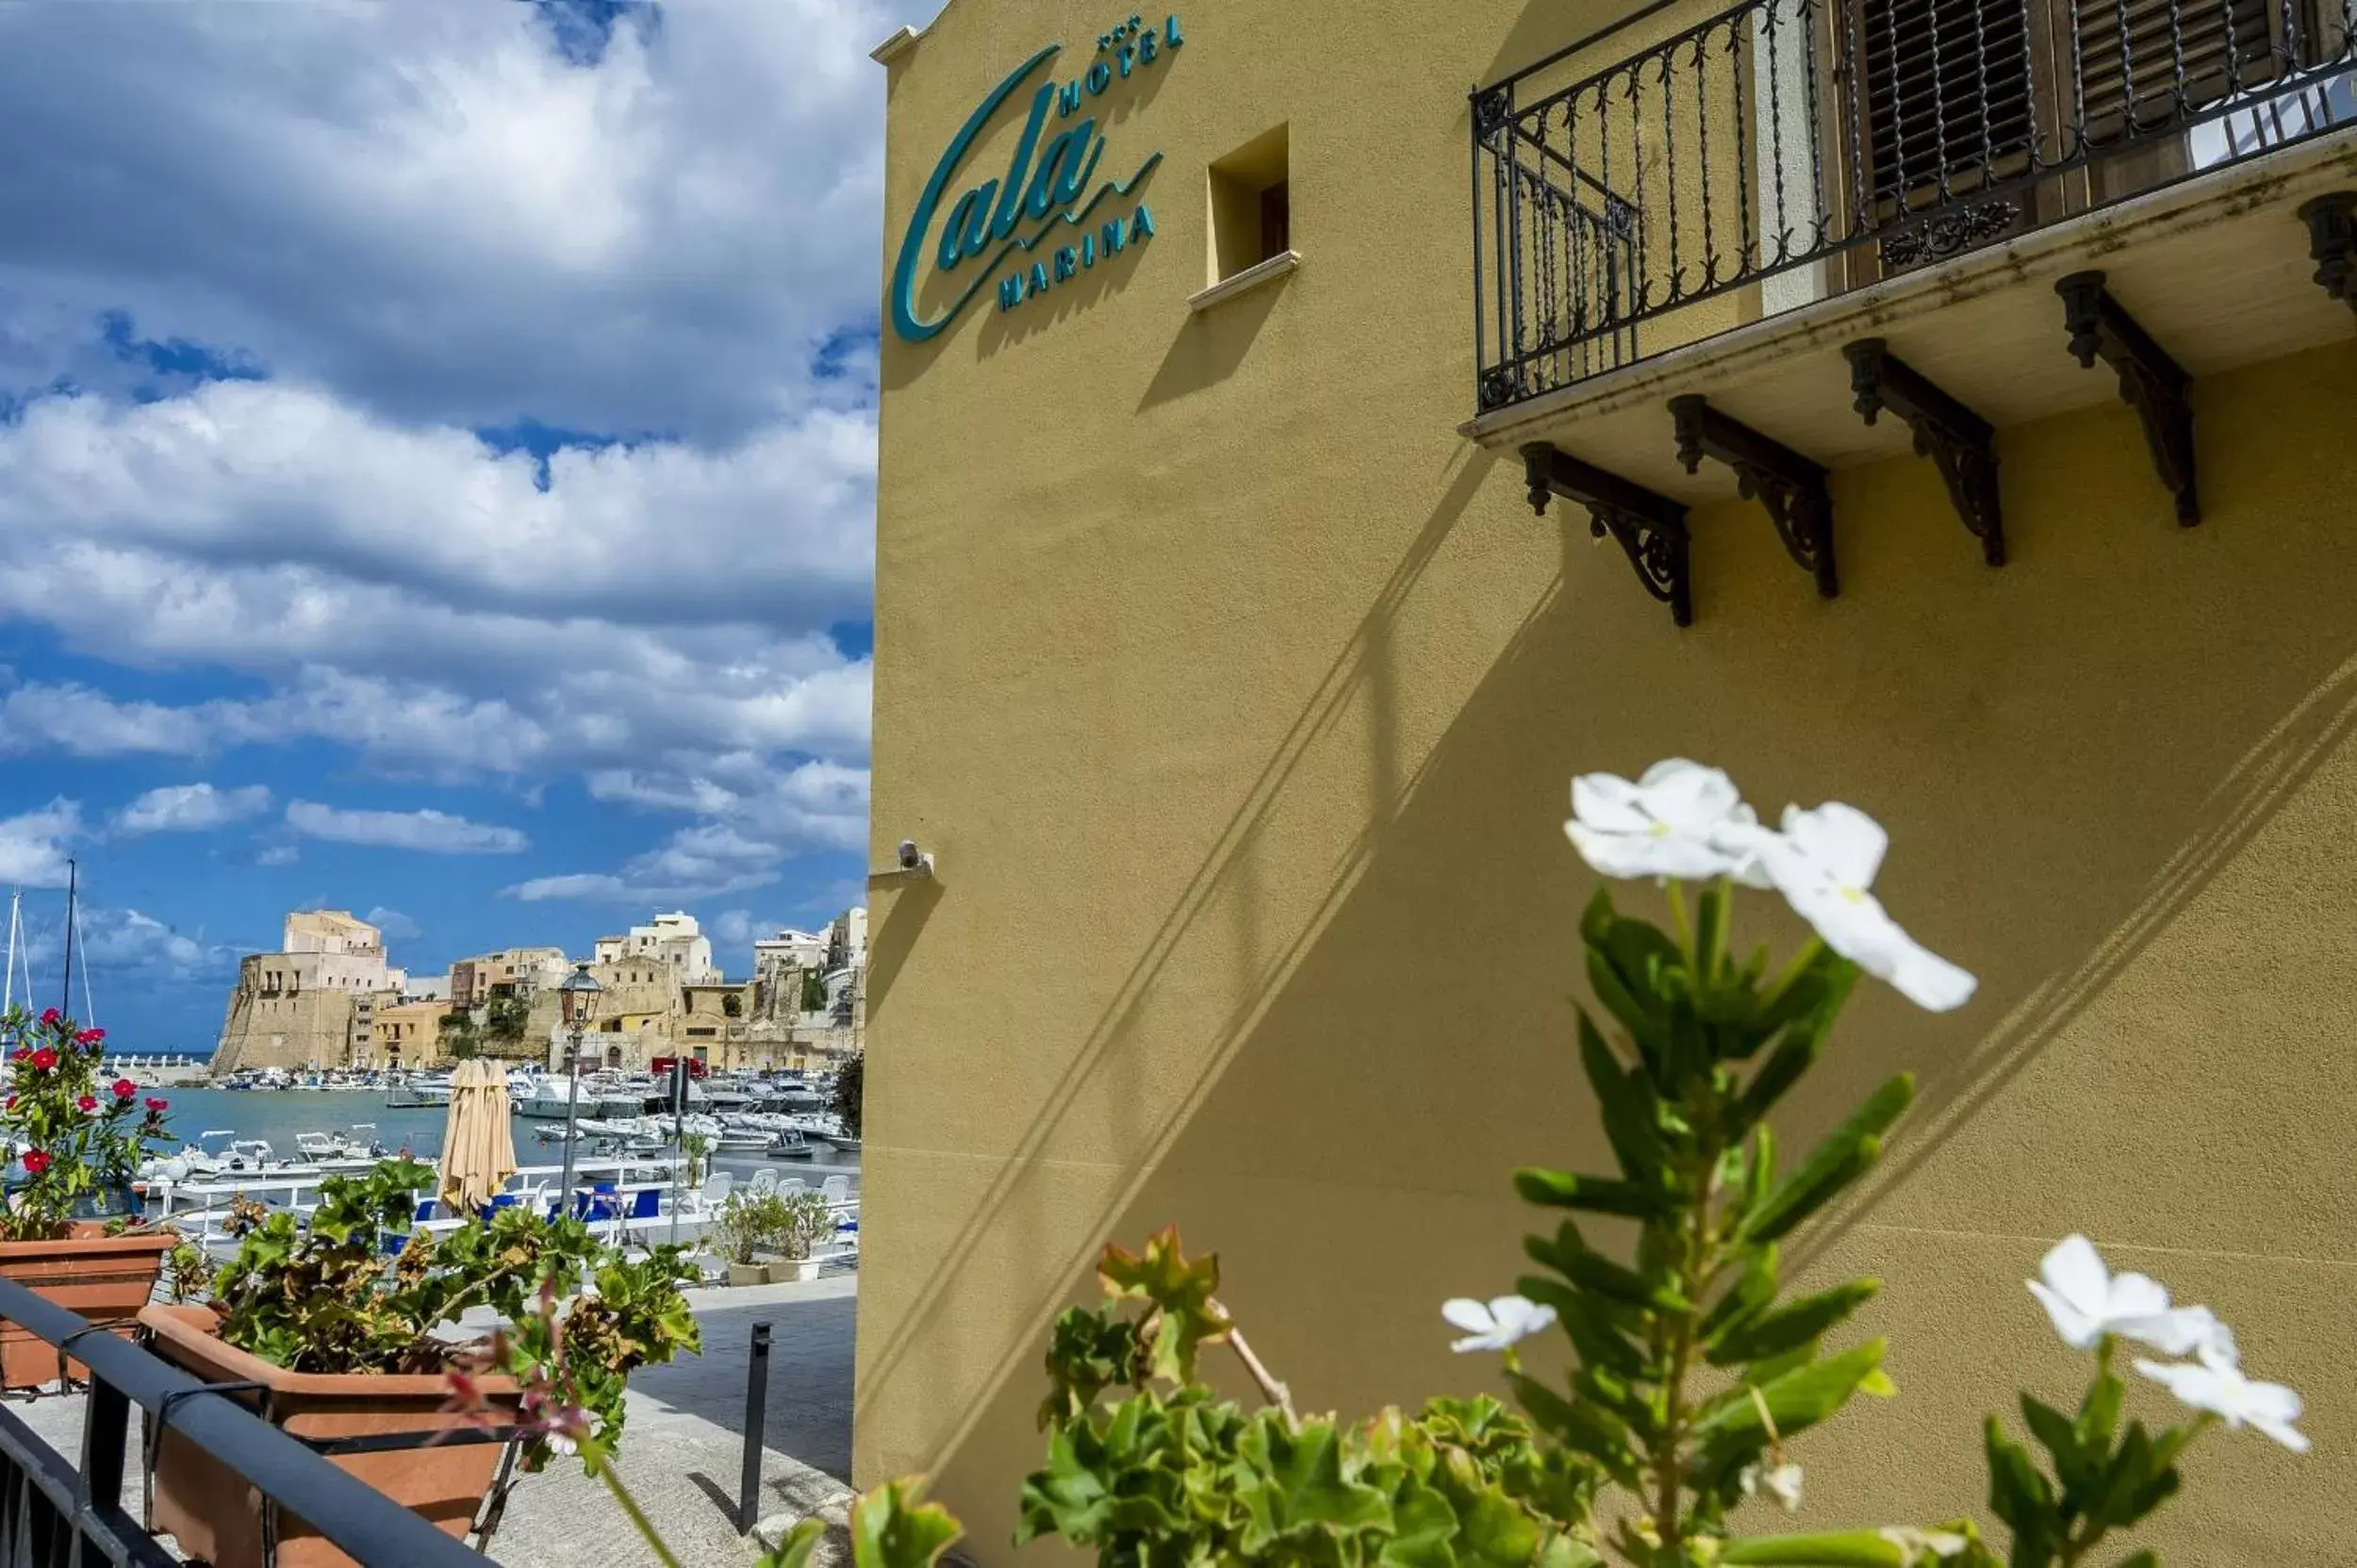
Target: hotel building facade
(1295, 467)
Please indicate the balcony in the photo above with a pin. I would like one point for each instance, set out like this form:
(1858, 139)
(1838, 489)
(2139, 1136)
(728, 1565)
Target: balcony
(1705, 244)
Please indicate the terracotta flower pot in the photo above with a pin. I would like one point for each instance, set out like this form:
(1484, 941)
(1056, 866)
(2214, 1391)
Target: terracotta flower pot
(105, 1279)
(217, 1517)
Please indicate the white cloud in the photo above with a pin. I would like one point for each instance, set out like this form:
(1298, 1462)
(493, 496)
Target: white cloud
(396, 926)
(755, 819)
(32, 846)
(123, 940)
(430, 205)
(416, 225)
(427, 831)
(190, 808)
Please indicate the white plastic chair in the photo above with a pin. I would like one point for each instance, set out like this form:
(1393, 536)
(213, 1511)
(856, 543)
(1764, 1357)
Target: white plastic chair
(793, 1184)
(837, 1189)
(765, 1182)
(715, 1191)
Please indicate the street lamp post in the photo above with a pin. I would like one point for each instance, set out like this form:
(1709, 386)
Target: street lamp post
(576, 996)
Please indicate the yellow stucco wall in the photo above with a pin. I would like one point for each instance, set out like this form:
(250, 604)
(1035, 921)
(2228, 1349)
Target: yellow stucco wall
(1237, 696)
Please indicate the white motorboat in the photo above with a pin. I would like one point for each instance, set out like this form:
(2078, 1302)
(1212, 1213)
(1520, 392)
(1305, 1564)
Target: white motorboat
(547, 1098)
(792, 1145)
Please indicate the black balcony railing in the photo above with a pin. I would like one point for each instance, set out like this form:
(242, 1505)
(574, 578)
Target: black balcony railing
(1786, 150)
(61, 1512)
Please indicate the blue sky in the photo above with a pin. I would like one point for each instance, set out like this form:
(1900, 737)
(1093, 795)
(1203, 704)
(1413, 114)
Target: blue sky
(437, 475)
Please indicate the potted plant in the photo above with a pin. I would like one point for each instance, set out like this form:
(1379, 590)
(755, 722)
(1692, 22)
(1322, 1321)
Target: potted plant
(697, 1147)
(739, 1231)
(800, 1222)
(69, 1227)
(336, 1320)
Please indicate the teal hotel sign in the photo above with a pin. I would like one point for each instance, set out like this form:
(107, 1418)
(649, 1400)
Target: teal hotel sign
(1045, 194)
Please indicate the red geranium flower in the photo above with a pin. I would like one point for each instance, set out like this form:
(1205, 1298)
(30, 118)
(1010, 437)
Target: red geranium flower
(20, 1053)
(158, 1105)
(125, 1088)
(36, 1161)
(52, 1018)
(89, 1036)
(87, 1103)
(44, 1059)
(11, 1105)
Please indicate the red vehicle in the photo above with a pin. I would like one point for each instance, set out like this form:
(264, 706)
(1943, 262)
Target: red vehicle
(662, 1064)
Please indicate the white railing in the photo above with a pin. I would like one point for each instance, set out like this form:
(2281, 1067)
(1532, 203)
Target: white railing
(201, 1209)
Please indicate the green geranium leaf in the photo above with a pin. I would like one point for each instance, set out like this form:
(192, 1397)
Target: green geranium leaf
(1185, 1316)
(1296, 1484)
(895, 1528)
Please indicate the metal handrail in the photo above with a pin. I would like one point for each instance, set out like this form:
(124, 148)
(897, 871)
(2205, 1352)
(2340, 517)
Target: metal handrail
(371, 1527)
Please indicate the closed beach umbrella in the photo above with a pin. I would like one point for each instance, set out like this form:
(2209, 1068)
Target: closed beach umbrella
(478, 1147)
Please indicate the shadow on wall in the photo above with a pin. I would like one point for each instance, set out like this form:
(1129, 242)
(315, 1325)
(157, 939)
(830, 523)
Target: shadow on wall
(1212, 344)
(893, 936)
(2066, 752)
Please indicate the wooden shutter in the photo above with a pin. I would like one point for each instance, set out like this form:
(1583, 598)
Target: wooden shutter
(2133, 54)
(1948, 98)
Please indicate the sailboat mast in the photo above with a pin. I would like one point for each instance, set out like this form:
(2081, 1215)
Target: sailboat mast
(7, 992)
(72, 887)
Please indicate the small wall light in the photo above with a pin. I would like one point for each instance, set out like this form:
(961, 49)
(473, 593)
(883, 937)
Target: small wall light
(913, 861)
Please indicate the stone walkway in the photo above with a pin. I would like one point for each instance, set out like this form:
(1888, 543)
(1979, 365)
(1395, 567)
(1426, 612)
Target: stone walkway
(682, 1453)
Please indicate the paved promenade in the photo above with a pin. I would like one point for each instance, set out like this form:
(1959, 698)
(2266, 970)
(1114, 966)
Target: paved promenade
(681, 1448)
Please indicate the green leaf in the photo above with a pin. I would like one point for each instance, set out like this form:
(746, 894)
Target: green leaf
(1840, 1549)
(1602, 1274)
(1298, 1483)
(1644, 1027)
(2021, 1497)
(2099, 1414)
(1845, 1154)
(1786, 1065)
(895, 1528)
(1797, 1400)
(1596, 1194)
(1754, 1290)
(1625, 1102)
(1788, 1327)
(1591, 1333)
(2077, 1470)
(1712, 917)
(794, 1548)
(1185, 1317)
(1422, 1524)
(1581, 1425)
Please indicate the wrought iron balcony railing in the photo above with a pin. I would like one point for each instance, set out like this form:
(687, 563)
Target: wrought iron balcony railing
(1783, 151)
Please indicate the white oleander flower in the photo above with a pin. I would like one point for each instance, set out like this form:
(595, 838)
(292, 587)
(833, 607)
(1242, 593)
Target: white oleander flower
(1822, 863)
(1780, 1481)
(2086, 1300)
(2219, 1386)
(1680, 819)
(1499, 1324)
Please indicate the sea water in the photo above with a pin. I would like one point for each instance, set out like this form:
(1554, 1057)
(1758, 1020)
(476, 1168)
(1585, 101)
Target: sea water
(277, 1116)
